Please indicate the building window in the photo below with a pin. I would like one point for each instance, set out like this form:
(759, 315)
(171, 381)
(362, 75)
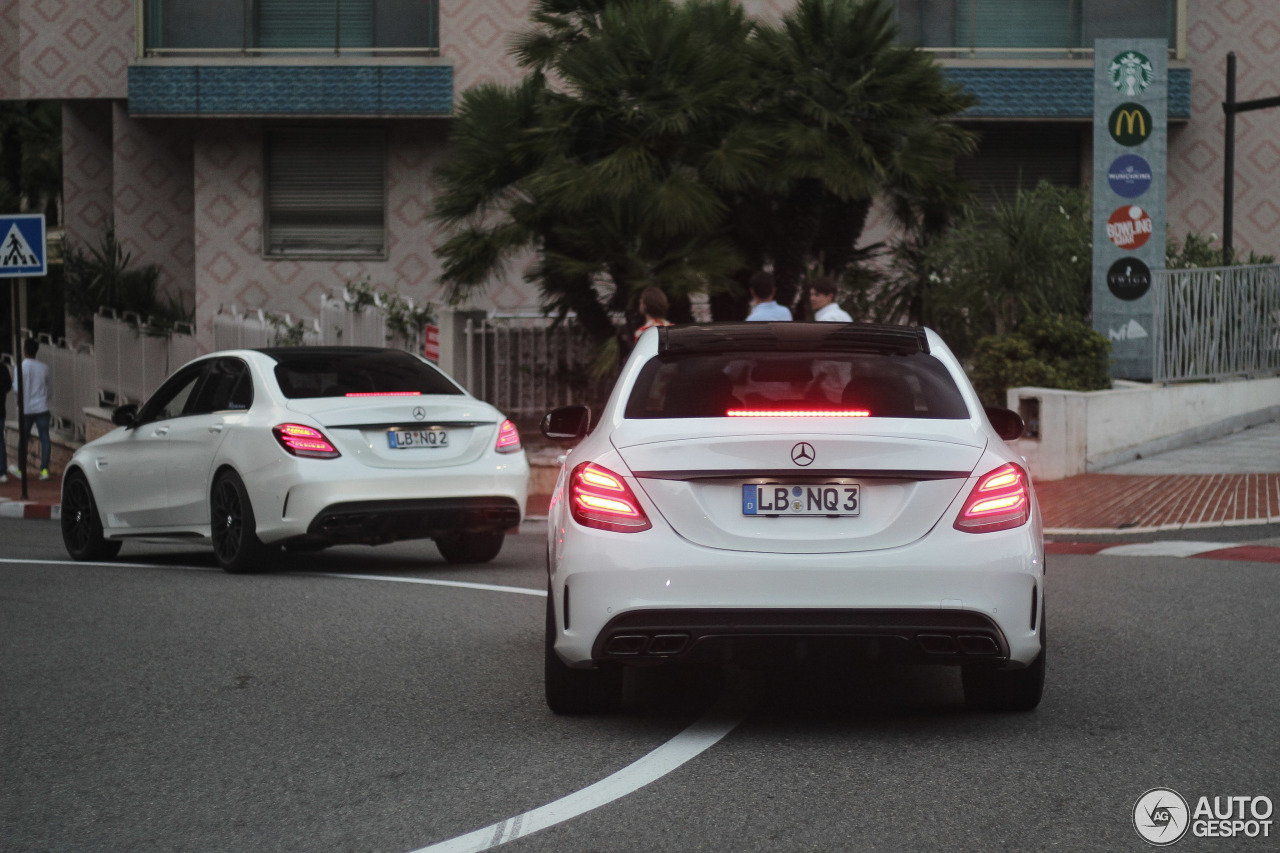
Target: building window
(1017, 156)
(291, 25)
(326, 193)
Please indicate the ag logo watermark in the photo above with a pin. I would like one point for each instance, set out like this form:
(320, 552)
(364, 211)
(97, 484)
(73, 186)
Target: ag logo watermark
(1161, 816)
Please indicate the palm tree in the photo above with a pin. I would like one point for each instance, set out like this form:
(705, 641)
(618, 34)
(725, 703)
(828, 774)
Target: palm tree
(855, 115)
(618, 172)
(684, 145)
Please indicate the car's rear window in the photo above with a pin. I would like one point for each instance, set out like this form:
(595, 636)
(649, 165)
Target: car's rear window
(303, 373)
(736, 384)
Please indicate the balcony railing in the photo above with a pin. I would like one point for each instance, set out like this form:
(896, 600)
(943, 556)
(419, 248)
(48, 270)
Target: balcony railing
(1035, 28)
(256, 27)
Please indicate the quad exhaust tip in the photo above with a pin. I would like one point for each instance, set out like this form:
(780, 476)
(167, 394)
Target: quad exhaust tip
(660, 645)
(965, 644)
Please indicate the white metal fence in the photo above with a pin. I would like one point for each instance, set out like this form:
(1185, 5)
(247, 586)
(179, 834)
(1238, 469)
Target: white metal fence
(528, 365)
(338, 325)
(1216, 322)
(132, 358)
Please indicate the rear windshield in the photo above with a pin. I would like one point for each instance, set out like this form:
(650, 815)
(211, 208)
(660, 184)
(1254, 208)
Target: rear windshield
(714, 385)
(304, 373)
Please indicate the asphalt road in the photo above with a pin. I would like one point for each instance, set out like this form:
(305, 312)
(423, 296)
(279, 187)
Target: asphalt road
(160, 704)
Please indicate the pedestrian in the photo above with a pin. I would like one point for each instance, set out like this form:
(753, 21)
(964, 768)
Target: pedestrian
(35, 407)
(822, 297)
(6, 384)
(763, 291)
(653, 305)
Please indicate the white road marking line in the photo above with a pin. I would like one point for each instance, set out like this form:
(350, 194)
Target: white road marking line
(690, 743)
(1173, 548)
(519, 590)
(109, 565)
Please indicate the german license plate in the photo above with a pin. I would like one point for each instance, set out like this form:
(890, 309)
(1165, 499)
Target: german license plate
(805, 499)
(402, 438)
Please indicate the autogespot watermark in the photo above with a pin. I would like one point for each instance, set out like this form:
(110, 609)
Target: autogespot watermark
(1161, 816)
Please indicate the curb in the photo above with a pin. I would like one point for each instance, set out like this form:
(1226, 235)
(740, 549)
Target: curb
(30, 509)
(1171, 548)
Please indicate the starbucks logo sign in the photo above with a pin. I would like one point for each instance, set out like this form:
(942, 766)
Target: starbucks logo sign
(1131, 73)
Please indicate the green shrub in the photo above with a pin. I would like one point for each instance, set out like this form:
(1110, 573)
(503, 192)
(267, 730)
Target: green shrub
(1045, 351)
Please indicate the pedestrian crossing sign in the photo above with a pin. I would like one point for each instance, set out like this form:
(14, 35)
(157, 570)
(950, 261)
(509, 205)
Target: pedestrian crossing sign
(22, 246)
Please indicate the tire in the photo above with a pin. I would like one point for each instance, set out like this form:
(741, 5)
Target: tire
(81, 524)
(578, 691)
(990, 689)
(236, 545)
(470, 547)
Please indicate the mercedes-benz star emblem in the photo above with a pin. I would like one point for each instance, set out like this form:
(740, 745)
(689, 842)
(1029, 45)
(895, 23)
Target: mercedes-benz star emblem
(419, 413)
(802, 453)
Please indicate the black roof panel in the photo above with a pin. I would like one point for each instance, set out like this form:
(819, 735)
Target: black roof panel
(792, 337)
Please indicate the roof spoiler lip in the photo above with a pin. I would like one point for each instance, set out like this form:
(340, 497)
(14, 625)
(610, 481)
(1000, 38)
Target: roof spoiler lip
(741, 336)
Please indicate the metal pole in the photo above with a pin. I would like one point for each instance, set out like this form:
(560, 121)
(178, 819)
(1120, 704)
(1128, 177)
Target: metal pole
(1229, 160)
(19, 294)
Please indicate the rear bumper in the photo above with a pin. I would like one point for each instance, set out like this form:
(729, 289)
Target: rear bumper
(947, 598)
(389, 521)
(931, 636)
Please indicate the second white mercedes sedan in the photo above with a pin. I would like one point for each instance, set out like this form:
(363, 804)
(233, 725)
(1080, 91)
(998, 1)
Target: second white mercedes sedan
(788, 489)
(300, 447)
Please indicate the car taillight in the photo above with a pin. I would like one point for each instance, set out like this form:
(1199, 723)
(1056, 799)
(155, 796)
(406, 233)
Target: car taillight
(304, 441)
(601, 499)
(1001, 500)
(508, 438)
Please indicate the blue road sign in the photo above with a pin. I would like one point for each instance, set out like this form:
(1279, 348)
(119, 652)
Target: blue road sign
(22, 246)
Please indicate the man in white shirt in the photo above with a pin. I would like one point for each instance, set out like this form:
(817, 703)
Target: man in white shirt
(762, 288)
(35, 407)
(822, 297)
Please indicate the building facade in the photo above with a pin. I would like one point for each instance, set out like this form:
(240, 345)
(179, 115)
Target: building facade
(264, 152)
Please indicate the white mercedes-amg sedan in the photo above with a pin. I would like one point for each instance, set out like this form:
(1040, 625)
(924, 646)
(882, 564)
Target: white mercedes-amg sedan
(300, 447)
(757, 491)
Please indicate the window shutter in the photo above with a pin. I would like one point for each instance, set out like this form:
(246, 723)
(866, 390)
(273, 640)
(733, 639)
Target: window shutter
(326, 192)
(1018, 156)
(315, 23)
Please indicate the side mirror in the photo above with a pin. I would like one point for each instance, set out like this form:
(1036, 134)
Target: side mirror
(1006, 422)
(567, 424)
(125, 415)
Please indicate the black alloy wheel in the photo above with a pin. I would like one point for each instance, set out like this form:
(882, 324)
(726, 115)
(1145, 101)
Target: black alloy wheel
(989, 689)
(236, 545)
(81, 525)
(470, 547)
(577, 691)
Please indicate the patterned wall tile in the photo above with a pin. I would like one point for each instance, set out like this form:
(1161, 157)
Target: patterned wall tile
(86, 170)
(10, 56)
(1249, 27)
(153, 191)
(71, 48)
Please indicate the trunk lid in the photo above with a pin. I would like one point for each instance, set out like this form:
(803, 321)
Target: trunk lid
(906, 472)
(361, 427)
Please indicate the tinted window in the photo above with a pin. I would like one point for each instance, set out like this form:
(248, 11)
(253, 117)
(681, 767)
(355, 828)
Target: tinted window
(336, 372)
(175, 395)
(709, 385)
(227, 387)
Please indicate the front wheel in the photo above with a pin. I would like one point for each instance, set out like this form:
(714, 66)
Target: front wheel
(470, 547)
(235, 539)
(577, 691)
(81, 524)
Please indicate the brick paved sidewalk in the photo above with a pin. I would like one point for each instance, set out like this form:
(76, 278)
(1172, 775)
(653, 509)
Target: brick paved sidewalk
(1130, 503)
